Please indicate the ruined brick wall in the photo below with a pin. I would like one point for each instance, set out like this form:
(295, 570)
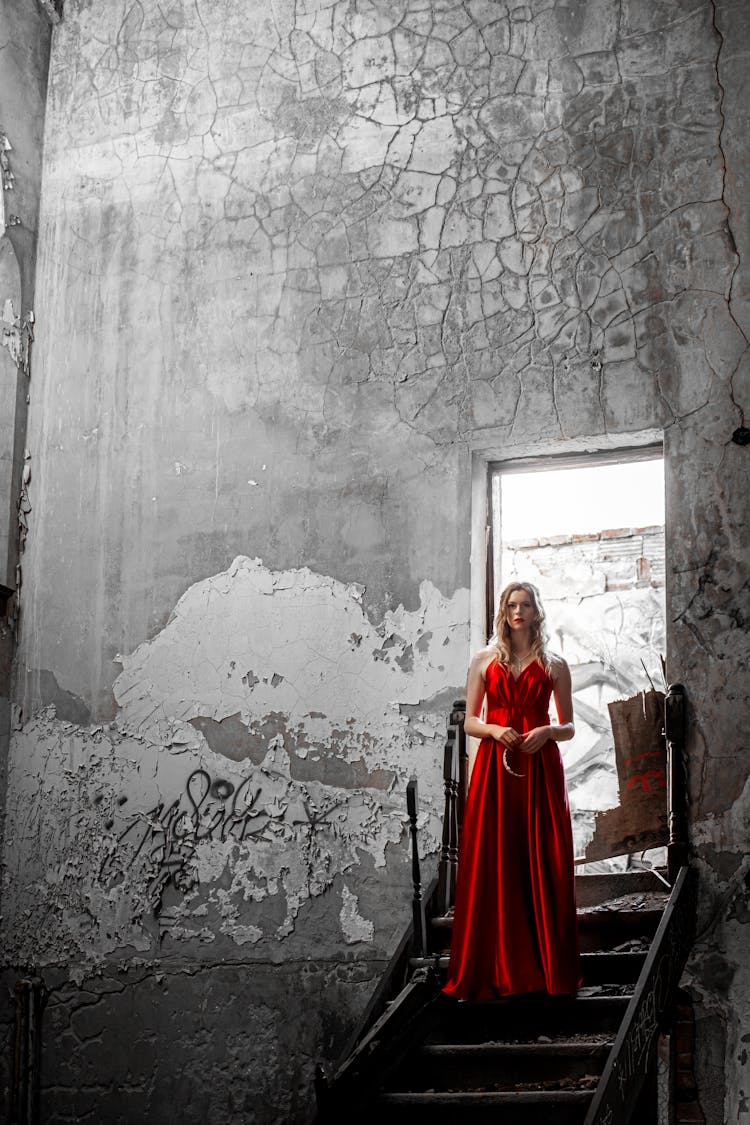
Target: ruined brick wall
(296, 262)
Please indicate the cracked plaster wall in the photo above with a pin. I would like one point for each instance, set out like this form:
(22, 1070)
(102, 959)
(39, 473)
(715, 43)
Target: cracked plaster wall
(24, 60)
(295, 262)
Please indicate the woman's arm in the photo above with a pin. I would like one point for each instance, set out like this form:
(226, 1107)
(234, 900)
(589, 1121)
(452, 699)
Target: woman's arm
(475, 689)
(562, 688)
(564, 728)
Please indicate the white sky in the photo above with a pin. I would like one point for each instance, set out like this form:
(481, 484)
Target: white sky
(573, 501)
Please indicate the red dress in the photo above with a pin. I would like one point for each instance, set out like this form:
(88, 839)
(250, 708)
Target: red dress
(514, 924)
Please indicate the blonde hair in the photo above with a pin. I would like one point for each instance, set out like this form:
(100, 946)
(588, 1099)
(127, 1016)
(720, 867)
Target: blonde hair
(500, 639)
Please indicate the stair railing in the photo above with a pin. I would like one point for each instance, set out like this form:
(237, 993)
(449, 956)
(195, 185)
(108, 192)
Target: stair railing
(455, 781)
(405, 993)
(397, 1005)
(633, 1055)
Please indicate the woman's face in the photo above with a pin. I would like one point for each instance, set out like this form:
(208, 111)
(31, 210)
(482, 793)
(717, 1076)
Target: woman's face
(520, 610)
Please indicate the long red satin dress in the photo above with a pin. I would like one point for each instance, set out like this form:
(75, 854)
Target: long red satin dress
(514, 928)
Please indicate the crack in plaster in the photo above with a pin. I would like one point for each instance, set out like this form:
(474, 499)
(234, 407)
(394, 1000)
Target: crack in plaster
(354, 927)
(17, 335)
(733, 242)
(379, 166)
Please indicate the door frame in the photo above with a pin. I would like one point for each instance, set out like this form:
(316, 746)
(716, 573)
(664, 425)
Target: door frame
(491, 453)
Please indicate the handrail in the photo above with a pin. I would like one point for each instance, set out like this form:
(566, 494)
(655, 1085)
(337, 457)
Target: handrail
(396, 1029)
(391, 985)
(382, 1021)
(628, 1063)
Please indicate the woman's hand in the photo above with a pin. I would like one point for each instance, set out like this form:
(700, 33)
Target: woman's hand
(535, 739)
(507, 736)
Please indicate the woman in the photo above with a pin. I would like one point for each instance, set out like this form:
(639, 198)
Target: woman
(514, 926)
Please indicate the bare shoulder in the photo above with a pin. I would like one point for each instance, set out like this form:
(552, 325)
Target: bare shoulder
(481, 660)
(558, 667)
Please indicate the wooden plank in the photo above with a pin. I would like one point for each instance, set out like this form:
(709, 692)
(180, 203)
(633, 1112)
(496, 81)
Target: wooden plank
(501, 1099)
(675, 720)
(419, 922)
(640, 819)
(449, 848)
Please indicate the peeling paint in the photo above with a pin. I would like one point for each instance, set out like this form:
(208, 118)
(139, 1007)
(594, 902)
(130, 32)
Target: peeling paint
(219, 656)
(17, 335)
(7, 180)
(24, 504)
(163, 832)
(53, 9)
(354, 927)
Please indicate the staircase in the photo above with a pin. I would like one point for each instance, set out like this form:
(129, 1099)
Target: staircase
(528, 1060)
(532, 1059)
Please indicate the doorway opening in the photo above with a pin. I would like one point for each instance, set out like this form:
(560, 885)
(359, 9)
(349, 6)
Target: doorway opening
(588, 531)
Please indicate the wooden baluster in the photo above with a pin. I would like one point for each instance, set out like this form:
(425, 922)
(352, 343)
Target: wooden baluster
(675, 732)
(446, 870)
(418, 913)
(453, 858)
(458, 717)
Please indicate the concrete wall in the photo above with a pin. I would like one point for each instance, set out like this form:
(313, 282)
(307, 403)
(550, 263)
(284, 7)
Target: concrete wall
(25, 37)
(24, 60)
(297, 263)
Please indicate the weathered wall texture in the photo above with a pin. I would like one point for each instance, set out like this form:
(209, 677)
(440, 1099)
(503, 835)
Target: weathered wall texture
(24, 60)
(257, 761)
(296, 261)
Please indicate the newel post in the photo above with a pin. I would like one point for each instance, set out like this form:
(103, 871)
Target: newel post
(675, 730)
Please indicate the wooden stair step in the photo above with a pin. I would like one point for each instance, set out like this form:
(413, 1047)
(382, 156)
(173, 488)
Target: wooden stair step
(491, 1066)
(525, 1019)
(593, 889)
(626, 913)
(532, 1107)
(603, 930)
(610, 967)
(598, 967)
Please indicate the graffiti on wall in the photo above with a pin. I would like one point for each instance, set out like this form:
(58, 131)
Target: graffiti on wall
(165, 839)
